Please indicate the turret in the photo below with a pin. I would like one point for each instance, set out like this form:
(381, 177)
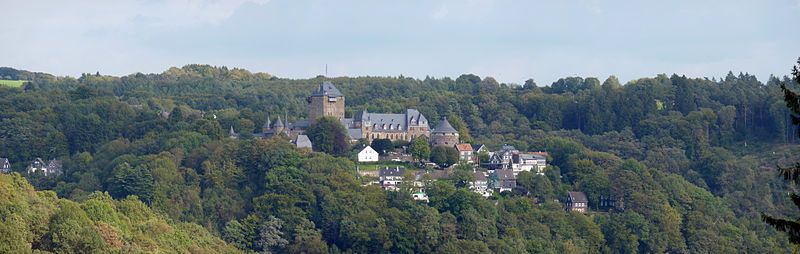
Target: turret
(267, 125)
(444, 134)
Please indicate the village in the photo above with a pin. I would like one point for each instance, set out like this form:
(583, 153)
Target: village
(492, 172)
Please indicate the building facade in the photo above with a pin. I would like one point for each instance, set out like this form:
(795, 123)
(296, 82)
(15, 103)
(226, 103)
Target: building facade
(577, 202)
(327, 100)
(368, 155)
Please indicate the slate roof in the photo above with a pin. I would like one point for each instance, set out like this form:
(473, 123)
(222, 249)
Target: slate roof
(327, 89)
(416, 118)
(578, 197)
(354, 133)
(476, 147)
(411, 117)
(303, 142)
(480, 176)
(444, 127)
(278, 123)
(396, 171)
(505, 174)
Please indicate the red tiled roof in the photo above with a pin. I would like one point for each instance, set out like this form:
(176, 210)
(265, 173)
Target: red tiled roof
(464, 147)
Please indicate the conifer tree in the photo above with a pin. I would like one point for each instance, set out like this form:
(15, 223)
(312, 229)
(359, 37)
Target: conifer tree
(791, 174)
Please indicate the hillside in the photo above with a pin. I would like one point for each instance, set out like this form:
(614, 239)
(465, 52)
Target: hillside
(42, 222)
(690, 160)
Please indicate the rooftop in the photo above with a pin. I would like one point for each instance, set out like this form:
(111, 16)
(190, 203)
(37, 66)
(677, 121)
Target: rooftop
(578, 197)
(444, 127)
(327, 88)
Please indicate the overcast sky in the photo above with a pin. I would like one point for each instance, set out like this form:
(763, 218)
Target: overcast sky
(509, 40)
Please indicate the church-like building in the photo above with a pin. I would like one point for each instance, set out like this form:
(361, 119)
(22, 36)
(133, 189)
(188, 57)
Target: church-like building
(327, 100)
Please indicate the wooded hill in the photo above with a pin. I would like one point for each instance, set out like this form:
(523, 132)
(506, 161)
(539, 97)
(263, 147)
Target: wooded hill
(691, 159)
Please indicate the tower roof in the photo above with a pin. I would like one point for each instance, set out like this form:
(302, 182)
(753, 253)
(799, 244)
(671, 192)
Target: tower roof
(267, 123)
(327, 89)
(278, 123)
(444, 127)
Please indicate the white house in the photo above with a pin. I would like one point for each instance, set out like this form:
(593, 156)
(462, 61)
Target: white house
(5, 165)
(420, 196)
(390, 178)
(529, 162)
(465, 152)
(367, 154)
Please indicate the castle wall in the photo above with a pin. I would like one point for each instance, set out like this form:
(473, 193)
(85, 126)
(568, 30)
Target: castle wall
(320, 106)
(444, 139)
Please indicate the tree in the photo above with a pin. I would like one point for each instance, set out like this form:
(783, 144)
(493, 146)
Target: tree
(382, 145)
(137, 181)
(328, 136)
(420, 148)
(791, 174)
(270, 235)
(444, 156)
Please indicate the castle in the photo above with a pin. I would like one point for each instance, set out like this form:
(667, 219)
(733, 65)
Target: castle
(327, 100)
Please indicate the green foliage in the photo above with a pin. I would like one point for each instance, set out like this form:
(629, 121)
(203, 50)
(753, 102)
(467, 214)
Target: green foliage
(40, 222)
(444, 156)
(12, 83)
(382, 146)
(791, 174)
(420, 148)
(328, 136)
(682, 157)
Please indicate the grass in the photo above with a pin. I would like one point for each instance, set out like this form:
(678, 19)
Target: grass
(12, 83)
(370, 166)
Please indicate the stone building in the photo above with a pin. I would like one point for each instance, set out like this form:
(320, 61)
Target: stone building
(327, 100)
(444, 134)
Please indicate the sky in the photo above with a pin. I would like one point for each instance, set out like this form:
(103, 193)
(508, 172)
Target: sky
(511, 41)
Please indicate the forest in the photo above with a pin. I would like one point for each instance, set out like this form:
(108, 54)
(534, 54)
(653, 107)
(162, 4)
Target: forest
(693, 160)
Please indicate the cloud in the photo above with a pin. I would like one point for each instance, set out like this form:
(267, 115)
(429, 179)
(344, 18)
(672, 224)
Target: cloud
(190, 12)
(440, 13)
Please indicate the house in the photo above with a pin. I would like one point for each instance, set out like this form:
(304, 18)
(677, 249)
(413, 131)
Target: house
(608, 203)
(506, 180)
(37, 165)
(502, 159)
(529, 162)
(481, 184)
(420, 196)
(302, 141)
(367, 155)
(54, 167)
(479, 148)
(5, 165)
(577, 202)
(465, 153)
(390, 178)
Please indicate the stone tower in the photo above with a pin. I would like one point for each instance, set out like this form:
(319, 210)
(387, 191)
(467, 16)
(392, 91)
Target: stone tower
(444, 134)
(325, 101)
(278, 127)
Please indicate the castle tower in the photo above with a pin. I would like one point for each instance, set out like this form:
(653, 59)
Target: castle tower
(278, 127)
(325, 101)
(267, 125)
(444, 134)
